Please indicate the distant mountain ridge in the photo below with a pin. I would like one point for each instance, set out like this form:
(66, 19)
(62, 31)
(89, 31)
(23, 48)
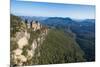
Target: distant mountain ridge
(55, 19)
(30, 18)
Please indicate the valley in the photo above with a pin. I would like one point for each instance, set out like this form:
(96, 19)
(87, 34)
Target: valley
(51, 40)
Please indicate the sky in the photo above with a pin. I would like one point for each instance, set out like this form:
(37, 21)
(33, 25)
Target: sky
(76, 11)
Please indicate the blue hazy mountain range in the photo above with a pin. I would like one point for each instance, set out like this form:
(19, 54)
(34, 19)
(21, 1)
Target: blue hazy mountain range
(59, 20)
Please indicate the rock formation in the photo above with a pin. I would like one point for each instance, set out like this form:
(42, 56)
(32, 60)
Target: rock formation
(22, 55)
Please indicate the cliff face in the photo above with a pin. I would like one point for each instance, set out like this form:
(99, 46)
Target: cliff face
(33, 43)
(26, 41)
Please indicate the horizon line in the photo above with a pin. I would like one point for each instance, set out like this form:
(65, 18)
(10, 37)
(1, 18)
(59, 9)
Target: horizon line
(53, 16)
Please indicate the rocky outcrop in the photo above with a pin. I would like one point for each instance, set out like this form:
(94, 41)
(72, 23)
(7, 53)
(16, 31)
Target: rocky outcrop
(26, 51)
(22, 42)
(17, 56)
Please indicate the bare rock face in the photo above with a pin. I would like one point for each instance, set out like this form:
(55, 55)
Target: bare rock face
(34, 45)
(22, 42)
(17, 51)
(22, 58)
(27, 35)
(17, 56)
(19, 35)
(22, 39)
(36, 25)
